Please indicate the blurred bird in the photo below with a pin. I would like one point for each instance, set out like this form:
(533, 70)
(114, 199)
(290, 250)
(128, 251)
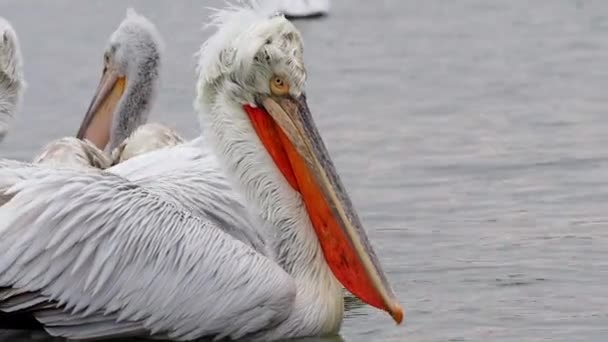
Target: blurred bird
(116, 117)
(12, 83)
(295, 9)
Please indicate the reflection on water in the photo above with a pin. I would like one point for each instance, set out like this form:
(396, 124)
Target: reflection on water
(23, 336)
(470, 134)
(351, 306)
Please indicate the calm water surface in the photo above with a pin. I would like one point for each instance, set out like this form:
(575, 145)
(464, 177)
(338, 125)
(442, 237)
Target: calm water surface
(472, 135)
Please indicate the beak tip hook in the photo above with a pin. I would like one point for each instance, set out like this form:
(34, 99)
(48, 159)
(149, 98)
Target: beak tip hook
(397, 313)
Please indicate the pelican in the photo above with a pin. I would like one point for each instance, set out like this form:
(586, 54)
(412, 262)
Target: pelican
(178, 176)
(94, 255)
(12, 83)
(128, 87)
(122, 102)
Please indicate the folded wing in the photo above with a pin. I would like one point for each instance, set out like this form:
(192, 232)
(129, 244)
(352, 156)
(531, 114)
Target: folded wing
(190, 175)
(94, 255)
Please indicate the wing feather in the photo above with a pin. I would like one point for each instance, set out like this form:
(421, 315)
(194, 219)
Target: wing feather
(190, 174)
(117, 258)
(21, 301)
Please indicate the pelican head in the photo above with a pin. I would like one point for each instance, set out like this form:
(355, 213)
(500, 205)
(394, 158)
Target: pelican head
(12, 83)
(252, 106)
(129, 82)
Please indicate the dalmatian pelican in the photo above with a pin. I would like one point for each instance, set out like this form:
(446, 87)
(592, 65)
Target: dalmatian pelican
(116, 118)
(94, 255)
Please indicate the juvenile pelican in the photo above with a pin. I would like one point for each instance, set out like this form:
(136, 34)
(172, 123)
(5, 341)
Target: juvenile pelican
(122, 102)
(126, 92)
(95, 256)
(12, 83)
(128, 85)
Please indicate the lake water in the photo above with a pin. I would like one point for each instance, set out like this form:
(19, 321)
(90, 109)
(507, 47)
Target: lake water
(472, 136)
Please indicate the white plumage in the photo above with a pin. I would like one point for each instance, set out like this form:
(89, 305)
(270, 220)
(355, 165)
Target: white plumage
(190, 175)
(12, 83)
(146, 138)
(133, 52)
(139, 263)
(73, 152)
(131, 252)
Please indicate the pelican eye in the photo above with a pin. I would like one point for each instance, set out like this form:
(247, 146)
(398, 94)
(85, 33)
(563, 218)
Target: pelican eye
(278, 86)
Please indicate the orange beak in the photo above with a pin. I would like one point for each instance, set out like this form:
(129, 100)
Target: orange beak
(287, 131)
(97, 123)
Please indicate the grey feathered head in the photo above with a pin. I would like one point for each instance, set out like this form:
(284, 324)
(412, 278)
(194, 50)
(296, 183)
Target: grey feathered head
(250, 45)
(135, 41)
(129, 83)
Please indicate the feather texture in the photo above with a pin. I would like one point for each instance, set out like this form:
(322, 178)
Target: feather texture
(138, 247)
(12, 83)
(146, 138)
(70, 151)
(148, 265)
(190, 175)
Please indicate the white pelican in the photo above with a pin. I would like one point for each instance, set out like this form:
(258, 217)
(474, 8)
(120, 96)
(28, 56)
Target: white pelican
(128, 85)
(122, 102)
(92, 255)
(178, 176)
(12, 83)
(127, 89)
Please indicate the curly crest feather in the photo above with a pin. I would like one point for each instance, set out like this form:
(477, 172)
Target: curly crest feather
(250, 44)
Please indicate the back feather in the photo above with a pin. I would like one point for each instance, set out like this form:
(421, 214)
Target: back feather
(115, 259)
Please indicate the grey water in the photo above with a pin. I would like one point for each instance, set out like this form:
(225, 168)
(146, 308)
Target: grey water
(472, 136)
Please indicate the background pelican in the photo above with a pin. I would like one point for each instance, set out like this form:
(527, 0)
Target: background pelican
(141, 265)
(12, 83)
(126, 92)
(128, 100)
(122, 102)
(178, 174)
